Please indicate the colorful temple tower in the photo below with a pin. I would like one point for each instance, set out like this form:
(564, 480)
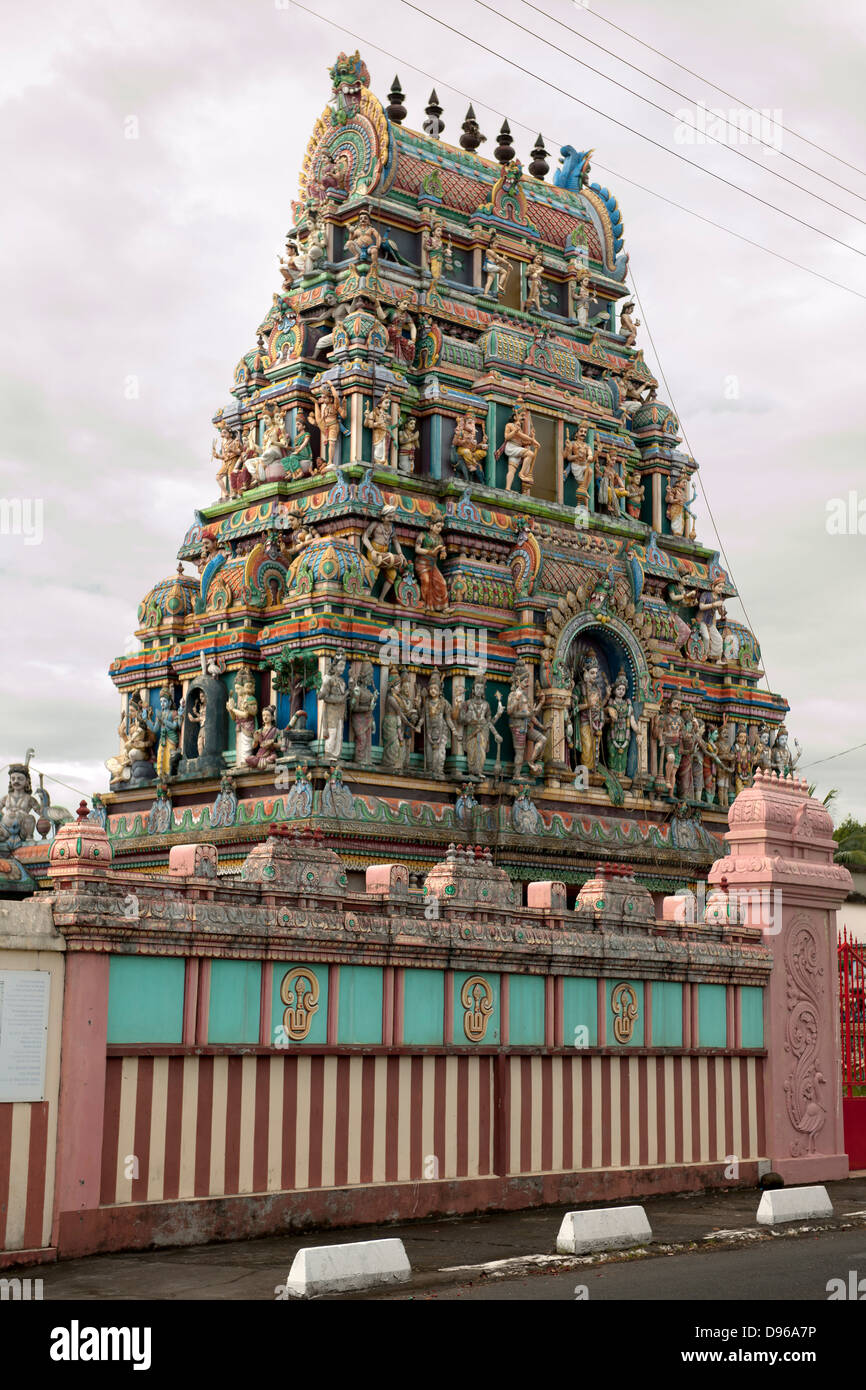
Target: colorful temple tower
(450, 590)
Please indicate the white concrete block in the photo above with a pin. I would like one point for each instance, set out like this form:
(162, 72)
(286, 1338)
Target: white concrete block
(793, 1204)
(602, 1228)
(320, 1269)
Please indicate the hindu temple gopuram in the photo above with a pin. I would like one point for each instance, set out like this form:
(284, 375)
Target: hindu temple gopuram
(384, 910)
(448, 587)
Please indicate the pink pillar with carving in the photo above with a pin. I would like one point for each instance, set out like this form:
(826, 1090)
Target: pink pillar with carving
(780, 869)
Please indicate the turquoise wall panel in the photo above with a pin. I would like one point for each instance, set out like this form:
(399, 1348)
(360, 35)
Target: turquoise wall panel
(525, 1009)
(235, 1001)
(752, 1016)
(360, 1004)
(492, 1031)
(712, 1016)
(318, 1028)
(637, 1030)
(145, 999)
(667, 1011)
(580, 1012)
(424, 1006)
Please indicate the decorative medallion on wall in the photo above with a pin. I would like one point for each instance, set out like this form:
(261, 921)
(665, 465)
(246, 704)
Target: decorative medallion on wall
(476, 996)
(300, 991)
(624, 1004)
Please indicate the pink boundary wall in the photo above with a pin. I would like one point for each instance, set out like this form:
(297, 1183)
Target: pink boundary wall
(780, 869)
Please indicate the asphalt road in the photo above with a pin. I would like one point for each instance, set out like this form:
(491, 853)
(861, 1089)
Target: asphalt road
(795, 1270)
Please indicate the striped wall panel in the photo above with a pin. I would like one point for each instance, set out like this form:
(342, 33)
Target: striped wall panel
(180, 1127)
(26, 1153)
(566, 1113)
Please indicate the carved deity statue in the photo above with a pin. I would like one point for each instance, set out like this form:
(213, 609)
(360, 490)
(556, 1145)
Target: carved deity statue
(402, 334)
(17, 821)
(709, 604)
(399, 724)
(383, 548)
(438, 726)
(677, 593)
(634, 495)
(470, 450)
(743, 760)
(362, 702)
(430, 548)
(589, 703)
(496, 271)
(164, 724)
(328, 410)
(436, 250)
(267, 742)
(326, 341)
(333, 696)
(408, 444)
(582, 300)
(243, 708)
(577, 454)
(134, 760)
(364, 243)
(377, 419)
(679, 505)
(783, 760)
(610, 487)
(534, 276)
(520, 447)
(671, 742)
(620, 714)
(628, 325)
(528, 734)
(478, 724)
(227, 457)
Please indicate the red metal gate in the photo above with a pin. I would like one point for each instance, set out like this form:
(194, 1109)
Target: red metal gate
(852, 1015)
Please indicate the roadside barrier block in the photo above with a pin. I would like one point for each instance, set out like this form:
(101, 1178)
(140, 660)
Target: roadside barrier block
(793, 1204)
(321, 1269)
(602, 1228)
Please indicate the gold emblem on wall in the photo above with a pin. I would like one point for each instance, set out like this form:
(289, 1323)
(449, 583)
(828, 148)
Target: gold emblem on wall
(476, 996)
(300, 992)
(624, 1003)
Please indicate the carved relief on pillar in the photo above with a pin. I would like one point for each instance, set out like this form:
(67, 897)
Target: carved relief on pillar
(807, 1023)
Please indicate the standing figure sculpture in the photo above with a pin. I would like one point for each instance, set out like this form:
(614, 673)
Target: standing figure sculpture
(377, 419)
(528, 734)
(620, 714)
(164, 724)
(227, 457)
(577, 454)
(581, 308)
(471, 451)
(478, 724)
(402, 334)
(328, 411)
(677, 593)
(520, 447)
(783, 761)
(408, 444)
(398, 725)
(611, 489)
(429, 549)
(590, 702)
(243, 708)
(709, 603)
(17, 821)
(438, 726)
(362, 703)
(679, 506)
(383, 547)
(496, 272)
(134, 761)
(671, 743)
(534, 274)
(743, 761)
(333, 696)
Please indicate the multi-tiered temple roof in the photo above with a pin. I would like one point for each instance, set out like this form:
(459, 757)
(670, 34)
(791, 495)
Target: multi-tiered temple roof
(444, 453)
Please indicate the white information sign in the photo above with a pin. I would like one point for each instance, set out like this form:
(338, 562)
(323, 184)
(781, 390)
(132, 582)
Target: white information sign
(23, 1033)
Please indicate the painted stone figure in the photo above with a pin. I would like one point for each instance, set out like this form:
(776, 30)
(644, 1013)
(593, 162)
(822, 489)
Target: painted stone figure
(464, 806)
(528, 734)
(266, 741)
(337, 799)
(299, 801)
(329, 409)
(408, 444)
(743, 765)
(496, 272)
(227, 457)
(134, 762)
(520, 448)
(384, 549)
(671, 743)
(582, 300)
(164, 724)
(438, 726)
(402, 334)
(620, 714)
(378, 420)
(709, 603)
(610, 487)
(326, 341)
(534, 275)
(243, 708)
(677, 593)
(160, 814)
(577, 454)
(725, 745)
(298, 461)
(334, 696)
(364, 243)
(678, 506)
(590, 701)
(469, 449)
(430, 548)
(525, 815)
(435, 250)
(225, 808)
(398, 725)
(783, 761)
(362, 703)
(634, 495)
(478, 724)
(627, 324)
(17, 821)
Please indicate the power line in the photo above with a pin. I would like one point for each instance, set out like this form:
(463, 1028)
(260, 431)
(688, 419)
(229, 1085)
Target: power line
(833, 756)
(653, 193)
(623, 125)
(720, 114)
(709, 82)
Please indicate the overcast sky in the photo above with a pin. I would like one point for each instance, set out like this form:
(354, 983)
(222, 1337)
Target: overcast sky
(150, 153)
